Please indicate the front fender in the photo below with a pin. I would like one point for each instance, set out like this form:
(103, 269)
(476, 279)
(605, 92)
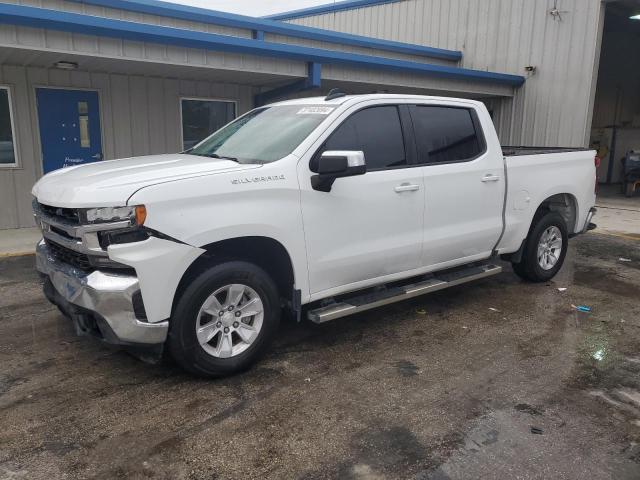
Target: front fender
(159, 265)
(201, 211)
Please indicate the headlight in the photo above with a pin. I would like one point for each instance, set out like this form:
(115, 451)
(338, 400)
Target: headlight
(135, 214)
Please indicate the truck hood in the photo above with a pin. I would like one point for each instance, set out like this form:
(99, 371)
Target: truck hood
(112, 182)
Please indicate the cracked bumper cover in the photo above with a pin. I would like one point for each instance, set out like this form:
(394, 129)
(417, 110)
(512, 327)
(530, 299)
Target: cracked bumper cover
(102, 300)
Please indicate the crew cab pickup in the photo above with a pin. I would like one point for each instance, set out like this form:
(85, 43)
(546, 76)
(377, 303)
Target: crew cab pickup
(315, 208)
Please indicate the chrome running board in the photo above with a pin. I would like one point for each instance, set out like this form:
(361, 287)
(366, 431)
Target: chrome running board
(367, 301)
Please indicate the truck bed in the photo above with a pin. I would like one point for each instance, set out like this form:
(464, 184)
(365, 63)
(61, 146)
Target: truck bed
(535, 174)
(511, 151)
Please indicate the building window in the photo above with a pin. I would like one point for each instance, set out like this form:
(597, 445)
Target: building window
(200, 118)
(8, 157)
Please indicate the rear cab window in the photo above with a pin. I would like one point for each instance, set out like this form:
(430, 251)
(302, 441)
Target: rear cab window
(446, 134)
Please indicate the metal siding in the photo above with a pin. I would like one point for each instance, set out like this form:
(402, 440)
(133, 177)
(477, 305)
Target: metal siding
(210, 21)
(554, 106)
(39, 39)
(329, 7)
(132, 50)
(139, 116)
(194, 54)
(193, 44)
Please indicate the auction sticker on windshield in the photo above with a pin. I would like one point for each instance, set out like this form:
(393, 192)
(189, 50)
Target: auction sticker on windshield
(315, 111)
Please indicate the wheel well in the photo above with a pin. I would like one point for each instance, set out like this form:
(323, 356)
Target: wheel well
(267, 253)
(563, 203)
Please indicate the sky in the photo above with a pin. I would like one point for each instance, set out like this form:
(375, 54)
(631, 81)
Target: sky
(255, 8)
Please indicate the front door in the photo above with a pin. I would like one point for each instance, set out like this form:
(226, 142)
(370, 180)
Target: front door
(69, 123)
(368, 226)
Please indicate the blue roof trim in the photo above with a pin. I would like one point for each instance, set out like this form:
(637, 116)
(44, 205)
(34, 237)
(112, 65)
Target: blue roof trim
(196, 14)
(326, 8)
(142, 32)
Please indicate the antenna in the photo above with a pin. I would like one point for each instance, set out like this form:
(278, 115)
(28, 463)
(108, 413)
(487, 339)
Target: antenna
(334, 93)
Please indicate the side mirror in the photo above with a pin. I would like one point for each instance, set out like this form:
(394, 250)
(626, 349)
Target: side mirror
(334, 164)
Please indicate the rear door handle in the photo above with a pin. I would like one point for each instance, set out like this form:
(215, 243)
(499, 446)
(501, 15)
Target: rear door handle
(406, 187)
(490, 178)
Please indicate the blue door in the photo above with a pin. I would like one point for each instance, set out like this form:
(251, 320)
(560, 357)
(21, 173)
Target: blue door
(69, 127)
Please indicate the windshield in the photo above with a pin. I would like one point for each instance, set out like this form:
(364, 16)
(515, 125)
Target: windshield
(264, 134)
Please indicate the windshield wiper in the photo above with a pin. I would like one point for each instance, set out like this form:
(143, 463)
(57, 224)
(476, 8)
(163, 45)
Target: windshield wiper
(213, 155)
(223, 157)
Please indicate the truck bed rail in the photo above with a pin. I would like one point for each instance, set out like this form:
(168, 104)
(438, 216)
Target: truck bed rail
(511, 151)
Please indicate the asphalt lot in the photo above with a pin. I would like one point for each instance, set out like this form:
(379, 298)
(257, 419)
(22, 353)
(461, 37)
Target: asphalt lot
(447, 386)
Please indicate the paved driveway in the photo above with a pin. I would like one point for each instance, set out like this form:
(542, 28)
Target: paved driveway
(496, 379)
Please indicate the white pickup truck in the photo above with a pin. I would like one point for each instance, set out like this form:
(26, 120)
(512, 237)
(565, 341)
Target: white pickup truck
(317, 207)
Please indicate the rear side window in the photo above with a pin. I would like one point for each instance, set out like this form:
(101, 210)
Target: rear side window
(377, 132)
(446, 134)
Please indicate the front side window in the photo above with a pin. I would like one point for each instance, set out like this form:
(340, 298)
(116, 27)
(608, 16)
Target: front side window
(263, 135)
(200, 118)
(377, 132)
(7, 145)
(445, 134)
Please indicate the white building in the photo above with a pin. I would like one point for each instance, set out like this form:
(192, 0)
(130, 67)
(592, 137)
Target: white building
(88, 80)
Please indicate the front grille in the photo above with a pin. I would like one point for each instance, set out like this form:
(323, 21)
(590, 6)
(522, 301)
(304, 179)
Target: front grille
(64, 215)
(71, 257)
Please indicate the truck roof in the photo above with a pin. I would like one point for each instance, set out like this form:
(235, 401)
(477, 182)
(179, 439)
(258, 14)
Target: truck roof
(370, 96)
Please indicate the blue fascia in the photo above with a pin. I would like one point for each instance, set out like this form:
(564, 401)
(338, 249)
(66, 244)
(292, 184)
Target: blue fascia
(327, 8)
(312, 81)
(203, 15)
(142, 32)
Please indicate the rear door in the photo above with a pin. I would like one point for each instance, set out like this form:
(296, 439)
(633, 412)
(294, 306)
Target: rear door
(464, 185)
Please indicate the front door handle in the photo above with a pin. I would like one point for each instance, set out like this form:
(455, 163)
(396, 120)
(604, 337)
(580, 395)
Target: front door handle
(97, 156)
(490, 178)
(406, 187)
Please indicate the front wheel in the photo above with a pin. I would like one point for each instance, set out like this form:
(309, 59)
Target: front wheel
(224, 320)
(545, 248)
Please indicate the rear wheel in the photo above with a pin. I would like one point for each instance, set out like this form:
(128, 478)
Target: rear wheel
(545, 248)
(224, 320)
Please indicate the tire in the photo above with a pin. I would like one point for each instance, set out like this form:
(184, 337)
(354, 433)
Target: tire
(216, 357)
(530, 267)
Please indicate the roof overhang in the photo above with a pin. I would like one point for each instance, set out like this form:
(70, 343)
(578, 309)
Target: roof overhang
(107, 27)
(203, 15)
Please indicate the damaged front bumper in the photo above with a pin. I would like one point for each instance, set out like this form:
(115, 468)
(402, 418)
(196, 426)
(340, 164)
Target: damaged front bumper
(102, 303)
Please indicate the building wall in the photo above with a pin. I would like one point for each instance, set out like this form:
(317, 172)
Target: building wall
(139, 116)
(67, 43)
(554, 106)
(140, 107)
(73, 43)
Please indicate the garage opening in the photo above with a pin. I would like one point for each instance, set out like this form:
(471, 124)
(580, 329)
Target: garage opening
(615, 131)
